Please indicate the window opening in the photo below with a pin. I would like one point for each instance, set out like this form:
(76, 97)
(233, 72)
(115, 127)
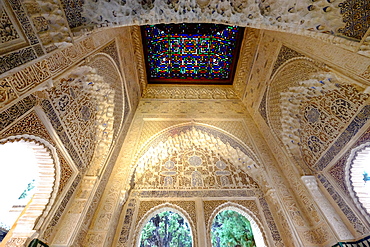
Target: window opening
(18, 173)
(360, 175)
(166, 229)
(230, 228)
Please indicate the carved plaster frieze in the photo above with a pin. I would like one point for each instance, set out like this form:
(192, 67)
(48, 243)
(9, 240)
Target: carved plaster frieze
(246, 59)
(189, 92)
(139, 56)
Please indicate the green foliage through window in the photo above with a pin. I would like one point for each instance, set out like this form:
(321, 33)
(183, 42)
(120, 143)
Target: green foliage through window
(231, 229)
(166, 229)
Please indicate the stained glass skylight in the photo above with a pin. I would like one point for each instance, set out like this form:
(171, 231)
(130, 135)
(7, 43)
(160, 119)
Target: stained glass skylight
(191, 53)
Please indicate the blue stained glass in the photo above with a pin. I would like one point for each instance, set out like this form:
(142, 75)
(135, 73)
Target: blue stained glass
(191, 51)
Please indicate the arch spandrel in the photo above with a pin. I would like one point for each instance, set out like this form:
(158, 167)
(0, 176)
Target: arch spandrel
(176, 151)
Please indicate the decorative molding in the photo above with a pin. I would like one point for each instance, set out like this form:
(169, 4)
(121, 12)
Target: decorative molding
(22, 81)
(356, 223)
(193, 193)
(139, 55)
(284, 55)
(189, 92)
(246, 59)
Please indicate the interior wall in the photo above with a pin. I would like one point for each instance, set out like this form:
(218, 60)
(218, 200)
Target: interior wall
(329, 166)
(32, 105)
(39, 58)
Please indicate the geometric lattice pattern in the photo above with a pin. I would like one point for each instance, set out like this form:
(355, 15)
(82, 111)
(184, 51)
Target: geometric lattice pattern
(325, 117)
(356, 17)
(191, 52)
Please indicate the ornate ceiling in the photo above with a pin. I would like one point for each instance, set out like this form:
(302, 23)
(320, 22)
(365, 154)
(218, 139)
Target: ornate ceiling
(191, 53)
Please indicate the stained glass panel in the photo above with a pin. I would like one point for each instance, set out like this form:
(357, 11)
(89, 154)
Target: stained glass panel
(191, 53)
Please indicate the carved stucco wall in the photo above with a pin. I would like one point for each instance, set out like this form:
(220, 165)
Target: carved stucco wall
(30, 29)
(27, 37)
(348, 85)
(51, 72)
(154, 115)
(187, 140)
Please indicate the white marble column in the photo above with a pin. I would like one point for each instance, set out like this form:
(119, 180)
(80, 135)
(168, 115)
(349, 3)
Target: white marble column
(327, 209)
(201, 224)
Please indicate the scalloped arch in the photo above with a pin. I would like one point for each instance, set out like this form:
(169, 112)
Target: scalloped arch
(38, 210)
(353, 176)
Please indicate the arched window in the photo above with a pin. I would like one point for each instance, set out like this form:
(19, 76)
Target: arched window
(358, 177)
(17, 180)
(247, 232)
(230, 228)
(29, 180)
(166, 229)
